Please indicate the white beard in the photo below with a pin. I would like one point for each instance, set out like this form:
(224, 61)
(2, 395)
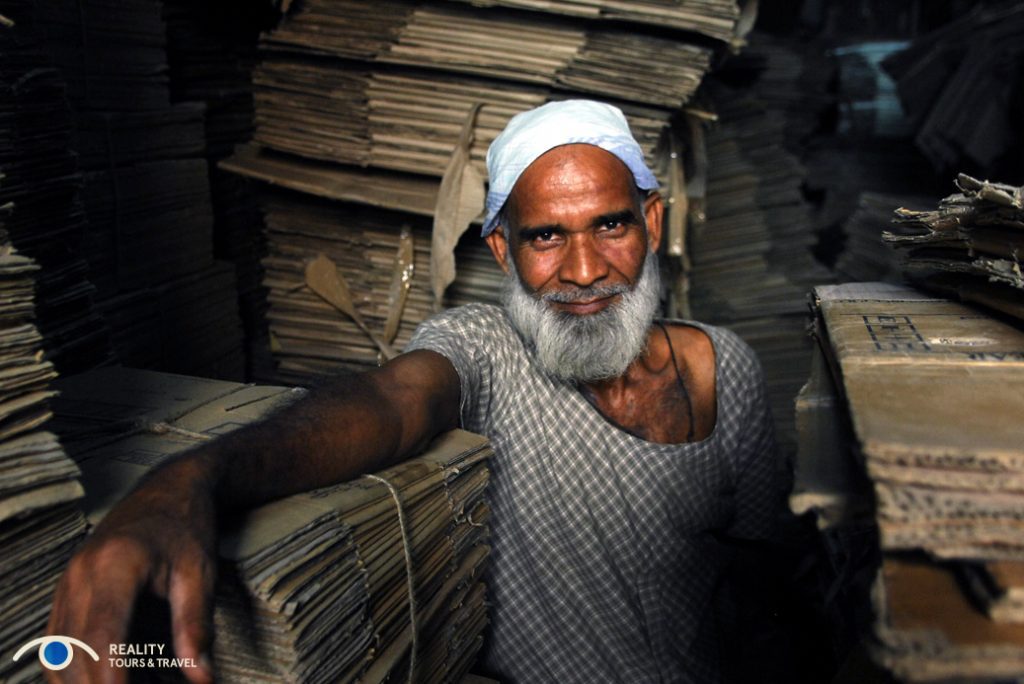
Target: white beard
(590, 347)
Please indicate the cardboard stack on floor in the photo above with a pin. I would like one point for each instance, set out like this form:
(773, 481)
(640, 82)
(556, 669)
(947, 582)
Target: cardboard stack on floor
(751, 253)
(933, 390)
(40, 522)
(314, 587)
(41, 193)
(414, 92)
(970, 246)
(147, 192)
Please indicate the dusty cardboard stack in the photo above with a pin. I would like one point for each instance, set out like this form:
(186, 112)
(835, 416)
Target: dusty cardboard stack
(970, 246)
(565, 54)
(958, 89)
(387, 272)
(751, 253)
(395, 118)
(712, 18)
(39, 520)
(313, 588)
(933, 390)
(147, 192)
(41, 193)
(416, 91)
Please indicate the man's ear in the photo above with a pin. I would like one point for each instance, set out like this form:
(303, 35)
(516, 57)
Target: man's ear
(654, 212)
(499, 247)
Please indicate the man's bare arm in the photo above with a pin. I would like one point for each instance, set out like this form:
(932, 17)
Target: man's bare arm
(163, 535)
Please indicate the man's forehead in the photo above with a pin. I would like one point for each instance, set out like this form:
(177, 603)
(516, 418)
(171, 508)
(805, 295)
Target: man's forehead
(583, 180)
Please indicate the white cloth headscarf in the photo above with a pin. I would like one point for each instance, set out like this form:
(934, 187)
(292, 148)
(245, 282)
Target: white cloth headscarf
(532, 133)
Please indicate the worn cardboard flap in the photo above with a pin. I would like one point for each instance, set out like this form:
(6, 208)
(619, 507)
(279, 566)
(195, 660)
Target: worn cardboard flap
(384, 189)
(928, 379)
(922, 333)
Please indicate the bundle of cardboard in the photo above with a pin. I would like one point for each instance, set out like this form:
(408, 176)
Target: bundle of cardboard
(39, 520)
(40, 194)
(574, 56)
(355, 582)
(395, 118)
(385, 272)
(933, 390)
(970, 246)
(713, 18)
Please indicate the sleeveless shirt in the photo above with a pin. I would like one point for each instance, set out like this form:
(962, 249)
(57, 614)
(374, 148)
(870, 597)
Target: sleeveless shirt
(606, 549)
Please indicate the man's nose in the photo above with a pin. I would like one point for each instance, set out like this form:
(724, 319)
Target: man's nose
(584, 264)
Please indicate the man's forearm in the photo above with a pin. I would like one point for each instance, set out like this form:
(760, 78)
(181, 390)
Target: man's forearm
(355, 424)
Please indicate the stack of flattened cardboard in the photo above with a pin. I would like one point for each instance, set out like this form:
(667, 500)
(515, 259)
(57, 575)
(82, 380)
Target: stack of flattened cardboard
(146, 191)
(40, 193)
(420, 89)
(933, 390)
(751, 253)
(395, 118)
(970, 246)
(315, 587)
(385, 271)
(39, 520)
(713, 18)
(578, 57)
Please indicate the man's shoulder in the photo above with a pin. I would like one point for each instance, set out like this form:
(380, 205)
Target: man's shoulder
(731, 351)
(476, 315)
(474, 322)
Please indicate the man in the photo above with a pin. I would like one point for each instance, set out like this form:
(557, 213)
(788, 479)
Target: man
(625, 449)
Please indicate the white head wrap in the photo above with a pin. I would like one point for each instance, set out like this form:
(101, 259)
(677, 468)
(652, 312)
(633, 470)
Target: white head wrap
(532, 133)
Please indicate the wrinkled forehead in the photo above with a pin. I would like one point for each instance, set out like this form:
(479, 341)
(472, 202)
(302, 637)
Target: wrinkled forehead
(573, 171)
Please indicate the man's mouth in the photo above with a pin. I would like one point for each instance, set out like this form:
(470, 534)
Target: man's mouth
(584, 306)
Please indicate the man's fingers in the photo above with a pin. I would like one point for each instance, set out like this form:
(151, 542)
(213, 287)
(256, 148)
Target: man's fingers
(94, 603)
(190, 594)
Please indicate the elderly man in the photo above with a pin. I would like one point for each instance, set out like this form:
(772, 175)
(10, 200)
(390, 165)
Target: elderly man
(626, 449)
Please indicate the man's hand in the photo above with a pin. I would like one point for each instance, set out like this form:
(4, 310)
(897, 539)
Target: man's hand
(162, 537)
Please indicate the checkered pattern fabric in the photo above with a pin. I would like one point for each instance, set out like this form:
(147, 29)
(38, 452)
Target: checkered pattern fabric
(604, 557)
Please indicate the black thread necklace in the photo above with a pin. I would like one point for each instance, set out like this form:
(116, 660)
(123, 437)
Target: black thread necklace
(682, 385)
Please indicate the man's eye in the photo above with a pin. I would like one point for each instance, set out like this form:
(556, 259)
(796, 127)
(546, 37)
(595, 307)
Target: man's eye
(543, 236)
(609, 226)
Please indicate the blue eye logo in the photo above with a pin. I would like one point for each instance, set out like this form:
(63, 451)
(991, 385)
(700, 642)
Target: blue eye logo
(55, 652)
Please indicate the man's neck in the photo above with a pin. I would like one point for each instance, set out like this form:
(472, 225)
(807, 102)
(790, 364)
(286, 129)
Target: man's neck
(667, 394)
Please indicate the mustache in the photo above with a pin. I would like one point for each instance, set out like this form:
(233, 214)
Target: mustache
(574, 295)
